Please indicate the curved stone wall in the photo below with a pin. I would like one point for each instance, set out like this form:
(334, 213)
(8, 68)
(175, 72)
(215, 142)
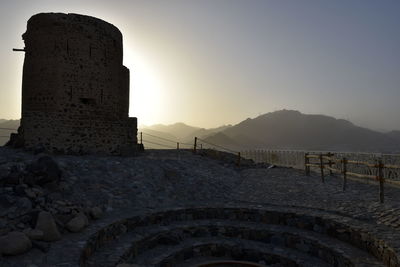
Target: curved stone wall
(272, 235)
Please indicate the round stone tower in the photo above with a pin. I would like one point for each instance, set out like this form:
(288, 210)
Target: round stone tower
(75, 90)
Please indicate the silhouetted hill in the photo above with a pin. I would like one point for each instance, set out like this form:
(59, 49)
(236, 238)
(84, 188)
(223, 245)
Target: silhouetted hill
(179, 130)
(203, 133)
(395, 135)
(13, 124)
(287, 129)
(5, 134)
(220, 139)
(147, 132)
(182, 132)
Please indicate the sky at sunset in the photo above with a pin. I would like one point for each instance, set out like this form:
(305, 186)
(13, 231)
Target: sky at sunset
(214, 62)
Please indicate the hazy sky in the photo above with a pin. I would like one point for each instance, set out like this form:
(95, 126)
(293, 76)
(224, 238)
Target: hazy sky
(213, 62)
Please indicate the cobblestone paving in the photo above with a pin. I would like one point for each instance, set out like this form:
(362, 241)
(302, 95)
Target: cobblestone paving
(285, 186)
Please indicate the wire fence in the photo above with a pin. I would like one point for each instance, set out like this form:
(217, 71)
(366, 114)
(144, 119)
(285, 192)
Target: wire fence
(389, 164)
(148, 141)
(151, 141)
(387, 169)
(214, 146)
(334, 164)
(160, 145)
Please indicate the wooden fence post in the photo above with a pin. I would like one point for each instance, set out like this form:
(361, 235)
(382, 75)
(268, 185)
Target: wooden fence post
(195, 145)
(330, 163)
(263, 155)
(321, 163)
(238, 160)
(344, 162)
(177, 145)
(306, 162)
(381, 181)
(141, 138)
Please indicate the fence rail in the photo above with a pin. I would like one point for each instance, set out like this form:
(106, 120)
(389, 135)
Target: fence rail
(152, 141)
(372, 166)
(360, 166)
(147, 140)
(378, 168)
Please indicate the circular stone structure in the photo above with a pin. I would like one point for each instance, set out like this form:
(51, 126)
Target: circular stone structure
(239, 236)
(229, 264)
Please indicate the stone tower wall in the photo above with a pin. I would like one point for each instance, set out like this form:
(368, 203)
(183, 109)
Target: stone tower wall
(75, 90)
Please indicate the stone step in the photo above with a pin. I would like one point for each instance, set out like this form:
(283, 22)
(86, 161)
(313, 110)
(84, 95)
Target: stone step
(134, 243)
(361, 234)
(238, 249)
(327, 248)
(200, 261)
(110, 254)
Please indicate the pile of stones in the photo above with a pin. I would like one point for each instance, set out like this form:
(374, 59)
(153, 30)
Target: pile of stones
(33, 211)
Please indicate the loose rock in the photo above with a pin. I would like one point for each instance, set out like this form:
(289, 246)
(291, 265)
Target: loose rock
(46, 223)
(34, 234)
(44, 170)
(96, 213)
(42, 246)
(14, 243)
(78, 223)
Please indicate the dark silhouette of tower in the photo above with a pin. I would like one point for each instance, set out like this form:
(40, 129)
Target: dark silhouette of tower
(75, 90)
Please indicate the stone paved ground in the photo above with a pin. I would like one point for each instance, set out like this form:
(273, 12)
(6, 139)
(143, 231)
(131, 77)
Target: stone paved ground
(162, 179)
(285, 186)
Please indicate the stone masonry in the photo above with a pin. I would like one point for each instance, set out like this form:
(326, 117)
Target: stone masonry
(75, 90)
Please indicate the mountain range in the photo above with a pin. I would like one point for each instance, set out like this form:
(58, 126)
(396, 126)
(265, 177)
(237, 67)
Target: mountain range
(290, 129)
(178, 132)
(284, 129)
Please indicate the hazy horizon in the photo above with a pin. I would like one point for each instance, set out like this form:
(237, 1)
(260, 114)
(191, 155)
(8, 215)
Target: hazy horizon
(242, 119)
(209, 63)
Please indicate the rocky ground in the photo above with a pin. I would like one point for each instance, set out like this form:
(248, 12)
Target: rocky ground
(44, 199)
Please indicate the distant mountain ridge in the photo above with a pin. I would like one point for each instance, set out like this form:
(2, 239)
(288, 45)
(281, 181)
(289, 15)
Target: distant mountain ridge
(284, 129)
(12, 124)
(292, 130)
(395, 135)
(181, 132)
(289, 129)
(5, 134)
